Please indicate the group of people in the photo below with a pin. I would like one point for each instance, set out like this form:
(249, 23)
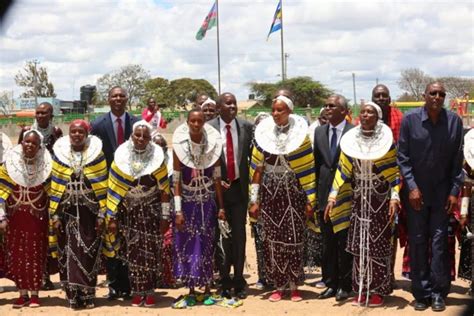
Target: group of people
(110, 195)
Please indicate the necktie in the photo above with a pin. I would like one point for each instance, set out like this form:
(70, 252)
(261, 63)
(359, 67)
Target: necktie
(120, 136)
(230, 155)
(333, 143)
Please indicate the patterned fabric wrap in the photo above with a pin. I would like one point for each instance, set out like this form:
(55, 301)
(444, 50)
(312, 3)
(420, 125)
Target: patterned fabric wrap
(342, 191)
(95, 172)
(119, 183)
(7, 184)
(301, 162)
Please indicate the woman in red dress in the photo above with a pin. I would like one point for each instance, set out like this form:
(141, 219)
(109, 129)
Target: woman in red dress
(23, 215)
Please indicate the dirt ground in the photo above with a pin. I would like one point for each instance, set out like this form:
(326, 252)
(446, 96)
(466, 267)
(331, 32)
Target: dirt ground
(401, 301)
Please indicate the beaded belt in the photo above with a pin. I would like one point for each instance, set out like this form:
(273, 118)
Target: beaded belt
(275, 169)
(140, 192)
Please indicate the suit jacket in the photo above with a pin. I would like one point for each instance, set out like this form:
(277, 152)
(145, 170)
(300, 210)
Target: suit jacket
(244, 130)
(103, 128)
(325, 167)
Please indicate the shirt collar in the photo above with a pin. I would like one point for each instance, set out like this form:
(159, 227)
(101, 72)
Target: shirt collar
(222, 124)
(114, 118)
(340, 126)
(442, 115)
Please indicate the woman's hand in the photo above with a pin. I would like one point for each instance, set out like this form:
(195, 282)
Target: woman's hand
(99, 226)
(164, 225)
(221, 215)
(179, 221)
(393, 209)
(254, 210)
(309, 212)
(3, 226)
(328, 210)
(57, 226)
(112, 227)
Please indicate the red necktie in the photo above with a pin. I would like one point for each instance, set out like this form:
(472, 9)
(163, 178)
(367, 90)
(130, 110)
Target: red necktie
(230, 155)
(120, 137)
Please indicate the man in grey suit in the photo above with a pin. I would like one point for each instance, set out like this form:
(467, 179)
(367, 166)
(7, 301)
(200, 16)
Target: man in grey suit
(236, 135)
(336, 262)
(113, 128)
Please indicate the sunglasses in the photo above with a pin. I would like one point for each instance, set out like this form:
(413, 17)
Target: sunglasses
(440, 93)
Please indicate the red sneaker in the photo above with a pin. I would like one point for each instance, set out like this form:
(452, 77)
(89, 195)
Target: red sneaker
(295, 296)
(149, 301)
(375, 300)
(357, 302)
(137, 301)
(34, 302)
(276, 296)
(22, 301)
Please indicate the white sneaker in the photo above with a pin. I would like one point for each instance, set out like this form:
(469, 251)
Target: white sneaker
(320, 285)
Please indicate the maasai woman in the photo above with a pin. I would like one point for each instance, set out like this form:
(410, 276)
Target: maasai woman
(5, 145)
(368, 162)
(138, 203)
(77, 205)
(197, 186)
(24, 182)
(466, 259)
(283, 194)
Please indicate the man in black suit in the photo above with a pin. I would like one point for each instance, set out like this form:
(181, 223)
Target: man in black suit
(113, 128)
(236, 135)
(336, 262)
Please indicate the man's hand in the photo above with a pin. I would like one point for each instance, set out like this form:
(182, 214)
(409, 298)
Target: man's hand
(254, 210)
(328, 210)
(463, 222)
(450, 203)
(221, 215)
(179, 221)
(99, 226)
(393, 209)
(415, 199)
(309, 212)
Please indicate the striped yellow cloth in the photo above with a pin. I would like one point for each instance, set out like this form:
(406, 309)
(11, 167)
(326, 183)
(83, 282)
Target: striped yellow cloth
(6, 185)
(301, 162)
(119, 184)
(95, 172)
(342, 189)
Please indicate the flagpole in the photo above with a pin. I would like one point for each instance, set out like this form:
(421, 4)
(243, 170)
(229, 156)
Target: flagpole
(283, 70)
(218, 52)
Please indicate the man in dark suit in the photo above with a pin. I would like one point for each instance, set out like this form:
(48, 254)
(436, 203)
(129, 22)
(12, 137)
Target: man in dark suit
(336, 262)
(113, 128)
(236, 135)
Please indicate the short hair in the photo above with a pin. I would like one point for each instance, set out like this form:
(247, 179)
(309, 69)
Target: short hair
(49, 105)
(220, 98)
(380, 86)
(341, 99)
(432, 84)
(117, 87)
(193, 110)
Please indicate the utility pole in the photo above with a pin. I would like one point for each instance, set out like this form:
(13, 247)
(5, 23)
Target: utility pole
(286, 66)
(35, 82)
(354, 87)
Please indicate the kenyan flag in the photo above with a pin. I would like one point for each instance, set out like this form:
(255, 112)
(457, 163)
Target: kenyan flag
(209, 22)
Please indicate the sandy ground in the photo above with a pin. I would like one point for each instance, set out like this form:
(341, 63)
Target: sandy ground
(53, 302)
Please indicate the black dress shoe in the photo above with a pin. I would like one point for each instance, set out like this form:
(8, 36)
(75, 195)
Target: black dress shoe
(422, 304)
(226, 294)
(341, 295)
(438, 304)
(241, 294)
(327, 293)
(112, 295)
(47, 285)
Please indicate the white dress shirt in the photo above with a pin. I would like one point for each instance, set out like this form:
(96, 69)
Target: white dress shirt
(339, 130)
(235, 142)
(114, 121)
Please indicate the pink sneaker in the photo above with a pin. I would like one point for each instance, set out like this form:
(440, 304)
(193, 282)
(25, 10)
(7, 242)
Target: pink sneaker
(276, 296)
(295, 296)
(357, 302)
(375, 300)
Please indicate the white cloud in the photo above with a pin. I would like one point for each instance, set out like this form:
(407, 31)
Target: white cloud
(78, 41)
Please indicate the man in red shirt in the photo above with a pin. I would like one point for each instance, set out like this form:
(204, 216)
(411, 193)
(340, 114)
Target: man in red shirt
(391, 115)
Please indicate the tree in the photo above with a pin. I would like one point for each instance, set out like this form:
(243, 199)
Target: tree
(456, 87)
(5, 102)
(35, 81)
(131, 77)
(186, 90)
(406, 97)
(158, 88)
(305, 91)
(414, 81)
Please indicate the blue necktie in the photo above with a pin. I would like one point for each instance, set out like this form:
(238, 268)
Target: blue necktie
(333, 143)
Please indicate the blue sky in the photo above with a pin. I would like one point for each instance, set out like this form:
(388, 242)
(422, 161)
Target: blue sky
(79, 41)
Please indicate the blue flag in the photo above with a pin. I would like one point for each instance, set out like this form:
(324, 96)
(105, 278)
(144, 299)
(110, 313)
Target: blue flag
(276, 24)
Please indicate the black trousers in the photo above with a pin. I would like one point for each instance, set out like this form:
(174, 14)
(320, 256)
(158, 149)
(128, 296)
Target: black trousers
(337, 262)
(234, 247)
(117, 275)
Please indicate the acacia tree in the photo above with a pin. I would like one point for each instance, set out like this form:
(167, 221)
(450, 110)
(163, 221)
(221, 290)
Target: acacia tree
(305, 91)
(35, 81)
(414, 81)
(457, 87)
(130, 77)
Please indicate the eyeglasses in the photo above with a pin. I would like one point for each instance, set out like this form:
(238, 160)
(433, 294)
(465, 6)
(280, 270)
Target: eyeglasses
(331, 106)
(440, 93)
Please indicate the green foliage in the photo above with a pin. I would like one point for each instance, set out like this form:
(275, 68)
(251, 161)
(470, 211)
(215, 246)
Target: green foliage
(35, 81)
(305, 91)
(177, 92)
